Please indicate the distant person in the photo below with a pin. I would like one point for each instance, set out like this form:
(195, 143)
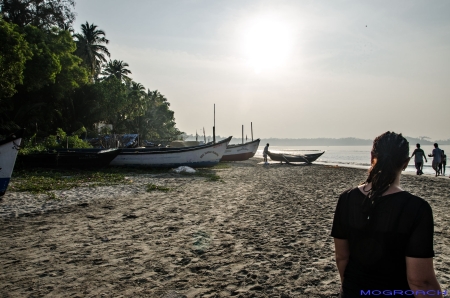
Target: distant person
(265, 151)
(437, 158)
(419, 155)
(444, 162)
(383, 235)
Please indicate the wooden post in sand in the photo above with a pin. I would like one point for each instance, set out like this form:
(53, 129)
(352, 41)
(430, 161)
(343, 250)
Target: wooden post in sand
(251, 128)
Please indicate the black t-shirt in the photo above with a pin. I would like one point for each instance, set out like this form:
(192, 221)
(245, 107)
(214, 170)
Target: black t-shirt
(418, 155)
(401, 225)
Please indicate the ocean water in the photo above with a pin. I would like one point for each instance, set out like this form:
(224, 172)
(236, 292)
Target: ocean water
(353, 156)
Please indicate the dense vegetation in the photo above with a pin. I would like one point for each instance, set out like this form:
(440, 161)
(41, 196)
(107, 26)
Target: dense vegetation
(52, 77)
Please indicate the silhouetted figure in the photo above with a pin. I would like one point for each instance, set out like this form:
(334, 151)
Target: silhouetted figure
(419, 155)
(437, 158)
(265, 151)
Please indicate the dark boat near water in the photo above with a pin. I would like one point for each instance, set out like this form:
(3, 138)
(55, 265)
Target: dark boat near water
(68, 158)
(288, 158)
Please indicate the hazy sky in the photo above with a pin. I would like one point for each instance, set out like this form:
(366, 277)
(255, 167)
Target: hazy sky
(296, 69)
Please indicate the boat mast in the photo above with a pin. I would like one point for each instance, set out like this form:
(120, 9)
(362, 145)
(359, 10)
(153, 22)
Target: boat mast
(242, 134)
(214, 127)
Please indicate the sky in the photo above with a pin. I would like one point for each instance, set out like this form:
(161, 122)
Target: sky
(294, 69)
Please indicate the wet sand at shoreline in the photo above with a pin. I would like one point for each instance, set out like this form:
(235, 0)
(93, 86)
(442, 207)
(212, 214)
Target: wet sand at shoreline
(262, 231)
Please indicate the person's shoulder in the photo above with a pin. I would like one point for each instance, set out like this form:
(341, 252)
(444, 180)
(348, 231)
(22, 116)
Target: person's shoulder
(415, 200)
(348, 192)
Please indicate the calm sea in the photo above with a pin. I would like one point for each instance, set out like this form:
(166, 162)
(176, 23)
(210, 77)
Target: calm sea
(352, 156)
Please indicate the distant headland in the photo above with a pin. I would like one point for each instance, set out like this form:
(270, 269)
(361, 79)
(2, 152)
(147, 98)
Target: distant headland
(319, 141)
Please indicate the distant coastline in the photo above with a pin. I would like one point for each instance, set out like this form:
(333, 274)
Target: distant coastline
(320, 141)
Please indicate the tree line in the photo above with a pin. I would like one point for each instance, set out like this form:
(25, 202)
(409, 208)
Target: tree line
(53, 77)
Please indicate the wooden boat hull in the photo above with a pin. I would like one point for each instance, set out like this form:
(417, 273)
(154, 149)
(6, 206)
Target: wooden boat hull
(69, 158)
(308, 158)
(196, 156)
(8, 154)
(240, 152)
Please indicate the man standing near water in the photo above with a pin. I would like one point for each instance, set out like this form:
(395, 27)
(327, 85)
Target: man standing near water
(437, 158)
(419, 155)
(265, 151)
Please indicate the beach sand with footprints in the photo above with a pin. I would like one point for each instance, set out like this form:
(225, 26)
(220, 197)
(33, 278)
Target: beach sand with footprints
(260, 231)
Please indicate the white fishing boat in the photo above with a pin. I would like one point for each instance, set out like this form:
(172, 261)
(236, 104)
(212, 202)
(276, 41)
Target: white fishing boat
(240, 152)
(8, 153)
(195, 156)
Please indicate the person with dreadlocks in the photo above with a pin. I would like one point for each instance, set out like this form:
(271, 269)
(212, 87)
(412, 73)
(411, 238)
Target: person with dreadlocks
(383, 235)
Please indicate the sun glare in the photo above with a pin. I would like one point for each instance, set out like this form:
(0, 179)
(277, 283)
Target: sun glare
(266, 44)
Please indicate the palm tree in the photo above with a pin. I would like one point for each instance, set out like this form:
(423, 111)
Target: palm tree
(117, 69)
(90, 47)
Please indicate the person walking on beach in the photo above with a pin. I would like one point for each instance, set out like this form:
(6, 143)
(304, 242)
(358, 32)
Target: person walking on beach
(444, 162)
(383, 235)
(265, 151)
(419, 155)
(437, 158)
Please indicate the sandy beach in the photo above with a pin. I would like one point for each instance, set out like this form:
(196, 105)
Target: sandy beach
(261, 231)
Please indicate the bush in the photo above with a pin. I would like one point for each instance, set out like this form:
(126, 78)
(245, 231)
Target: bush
(53, 142)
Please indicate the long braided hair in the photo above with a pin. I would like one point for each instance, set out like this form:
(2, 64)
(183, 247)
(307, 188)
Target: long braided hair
(389, 153)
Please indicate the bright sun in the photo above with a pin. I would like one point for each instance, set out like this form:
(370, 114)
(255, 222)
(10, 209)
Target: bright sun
(266, 44)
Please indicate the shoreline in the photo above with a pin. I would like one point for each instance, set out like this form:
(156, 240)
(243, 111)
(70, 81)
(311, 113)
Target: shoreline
(259, 231)
(365, 168)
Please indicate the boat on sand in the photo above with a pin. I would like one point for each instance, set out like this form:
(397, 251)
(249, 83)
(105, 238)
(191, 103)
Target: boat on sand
(76, 158)
(289, 158)
(160, 157)
(8, 153)
(239, 152)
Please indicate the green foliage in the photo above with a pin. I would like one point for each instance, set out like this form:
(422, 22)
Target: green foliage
(210, 175)
(58, 141)
(42, 14)
(50, 78)
(44, 181)
(14, 52)
(90, 47)
(42, 69)
(222, 165)
(153, 187)
(117, 69)
(66, 141)
(48, 81)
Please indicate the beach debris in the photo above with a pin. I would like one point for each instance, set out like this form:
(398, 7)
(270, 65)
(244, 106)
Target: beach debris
(202, 240)
(184, 169)
(130, 216)
(153, 187)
